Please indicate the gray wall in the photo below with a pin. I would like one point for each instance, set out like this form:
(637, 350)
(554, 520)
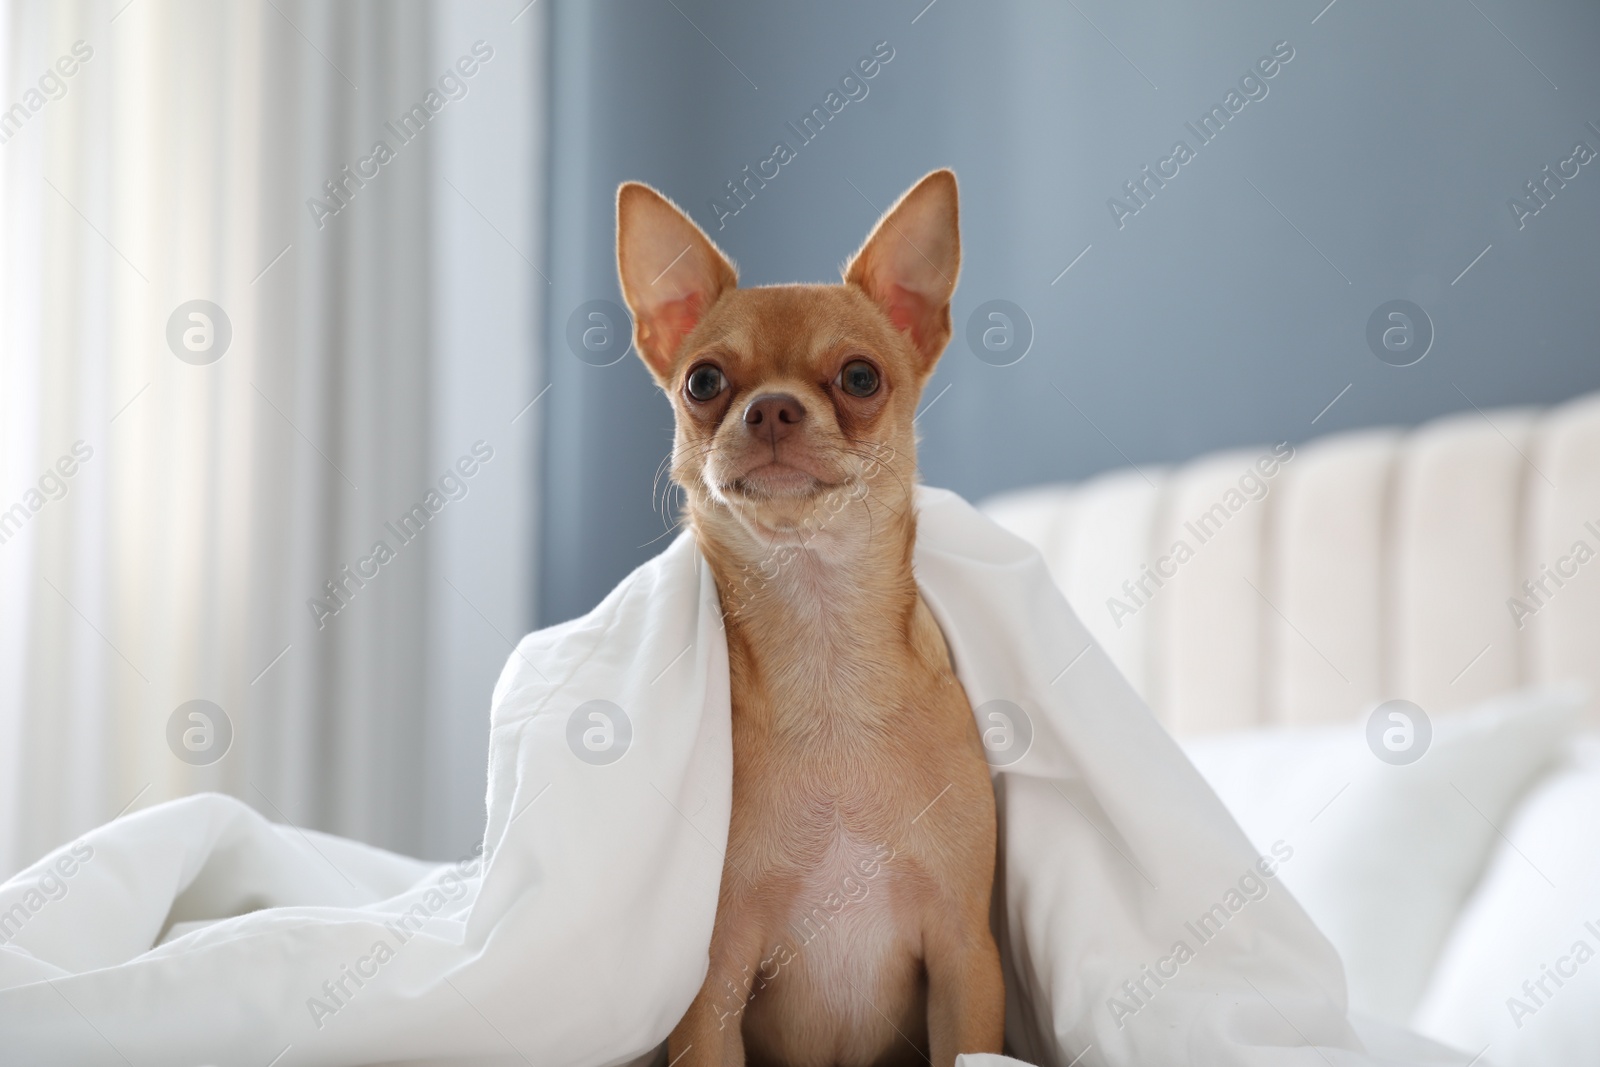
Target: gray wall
(1231, 309)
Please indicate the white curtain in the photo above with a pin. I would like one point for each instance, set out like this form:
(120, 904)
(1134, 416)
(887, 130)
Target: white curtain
(172, 510)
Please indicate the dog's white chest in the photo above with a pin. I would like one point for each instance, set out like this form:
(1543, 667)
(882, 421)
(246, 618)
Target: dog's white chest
(851, 883)
(842, 956)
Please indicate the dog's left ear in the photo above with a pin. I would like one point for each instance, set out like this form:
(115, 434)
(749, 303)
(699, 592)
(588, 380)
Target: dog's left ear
(910, 262)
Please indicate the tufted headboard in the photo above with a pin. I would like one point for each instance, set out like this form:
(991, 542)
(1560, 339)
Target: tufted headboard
(1299, 585)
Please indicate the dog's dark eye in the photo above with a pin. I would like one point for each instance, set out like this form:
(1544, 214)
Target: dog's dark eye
(704, 383)
(859, 378)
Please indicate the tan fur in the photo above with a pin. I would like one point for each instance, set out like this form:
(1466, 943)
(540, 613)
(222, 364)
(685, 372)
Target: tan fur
(853, 922)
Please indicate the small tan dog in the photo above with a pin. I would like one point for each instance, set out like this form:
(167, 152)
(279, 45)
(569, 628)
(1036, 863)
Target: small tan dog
(853, 921)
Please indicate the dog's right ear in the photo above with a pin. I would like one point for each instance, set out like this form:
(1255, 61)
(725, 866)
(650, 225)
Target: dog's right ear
(671, 273)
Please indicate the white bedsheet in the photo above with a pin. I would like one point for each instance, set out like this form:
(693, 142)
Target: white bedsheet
(580, 936)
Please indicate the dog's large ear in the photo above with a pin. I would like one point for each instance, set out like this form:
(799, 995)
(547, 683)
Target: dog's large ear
(671, 273)
(909, 264)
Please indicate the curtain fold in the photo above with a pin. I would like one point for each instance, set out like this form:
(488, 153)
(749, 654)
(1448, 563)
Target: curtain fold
(247, 352)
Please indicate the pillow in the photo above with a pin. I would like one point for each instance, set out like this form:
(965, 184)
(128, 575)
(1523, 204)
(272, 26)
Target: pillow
(1380, 855)
(1520, 972)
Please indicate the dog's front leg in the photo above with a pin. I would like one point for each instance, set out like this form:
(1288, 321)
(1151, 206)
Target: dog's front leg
(966, 991)
(710, 1033)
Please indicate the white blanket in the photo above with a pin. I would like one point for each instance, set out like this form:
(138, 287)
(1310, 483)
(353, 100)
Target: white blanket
(199, 932)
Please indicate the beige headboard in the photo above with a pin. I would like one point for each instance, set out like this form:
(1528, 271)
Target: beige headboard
(1365, 566)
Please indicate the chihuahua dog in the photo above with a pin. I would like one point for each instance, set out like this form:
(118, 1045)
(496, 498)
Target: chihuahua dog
(852, 926)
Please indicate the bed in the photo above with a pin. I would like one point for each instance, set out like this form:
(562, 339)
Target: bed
(1271, 603)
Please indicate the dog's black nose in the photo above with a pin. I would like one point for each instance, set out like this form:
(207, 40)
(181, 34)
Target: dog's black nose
(774, 415)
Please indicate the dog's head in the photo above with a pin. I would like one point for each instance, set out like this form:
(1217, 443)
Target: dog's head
(792, 401)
